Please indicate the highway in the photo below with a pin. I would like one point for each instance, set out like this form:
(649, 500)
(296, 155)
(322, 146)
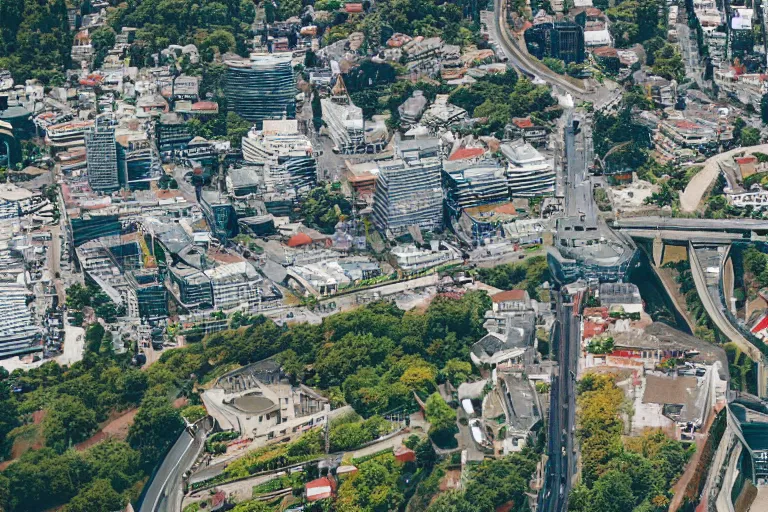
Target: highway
(561, 465)
(721, 321)
(692, 224)
(524, 62)
(165, 491)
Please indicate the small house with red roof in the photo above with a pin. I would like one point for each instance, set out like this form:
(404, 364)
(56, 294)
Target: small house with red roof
(299, 240)
(747, 165)
(524, 128)
(511, 300)
(353, 8)
(404, 454)
(320, 489)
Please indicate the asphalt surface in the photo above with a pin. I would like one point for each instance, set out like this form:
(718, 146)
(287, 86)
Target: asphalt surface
(165, 491)
(523, 62)
(561, 465)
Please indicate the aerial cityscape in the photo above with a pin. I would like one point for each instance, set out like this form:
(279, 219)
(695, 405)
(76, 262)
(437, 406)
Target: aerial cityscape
(386, 256)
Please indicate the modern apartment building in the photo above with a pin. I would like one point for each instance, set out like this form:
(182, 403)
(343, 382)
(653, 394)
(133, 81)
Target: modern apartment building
(529, 173)
(172, 133)
(136, 157)
(101, 152)
(408, 189)
(344, 120)
(284, 153)
(412, 109)
(67, 134)
(262, 87)
(235, 285)
(470, 185)
(147, 296)
(18, 333)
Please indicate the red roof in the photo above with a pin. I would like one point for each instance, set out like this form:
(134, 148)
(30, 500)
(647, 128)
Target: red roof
(299, 239)
(596, 311)
(522, 122)
(686, 125)
(745, 160)
(353, 8)
(762, 324)
(510, 295)
(461, 154)
(404, 454)
(592, 329)
(606, 51)
(205, 105)
(320, 489)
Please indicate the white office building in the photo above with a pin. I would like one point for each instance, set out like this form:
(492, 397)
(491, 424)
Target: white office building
(235, 285)
(529, 173)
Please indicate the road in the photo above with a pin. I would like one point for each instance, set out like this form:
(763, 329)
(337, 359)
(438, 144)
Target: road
(165, 491)
(562, 417)
(721, 321)
(702, 181)
(522, 61)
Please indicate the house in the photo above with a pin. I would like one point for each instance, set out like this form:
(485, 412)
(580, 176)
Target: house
(512, 300)
(320, 489)
(404, 454)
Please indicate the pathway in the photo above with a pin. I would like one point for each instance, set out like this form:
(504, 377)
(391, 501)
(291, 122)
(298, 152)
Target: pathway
(703, 180)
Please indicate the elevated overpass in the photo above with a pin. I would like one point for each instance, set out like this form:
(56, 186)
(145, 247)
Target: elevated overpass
(715, 310)
(744, 226)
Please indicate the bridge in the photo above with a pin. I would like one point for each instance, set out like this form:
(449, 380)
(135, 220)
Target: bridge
(716, 311)
(682, 224)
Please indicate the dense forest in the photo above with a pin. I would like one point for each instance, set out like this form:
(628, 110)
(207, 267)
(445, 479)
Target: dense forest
(35, 39)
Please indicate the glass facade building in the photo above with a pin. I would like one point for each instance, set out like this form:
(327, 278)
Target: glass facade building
(408, 189)
(101, 153)
(263, 87)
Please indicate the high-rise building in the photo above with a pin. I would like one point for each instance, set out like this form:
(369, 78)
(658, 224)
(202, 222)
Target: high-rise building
(284, 154)
(136, 159)
(262, 87)
(562, 40)
(408, 190)
(101, 152)
(529, 173)
(172, 133)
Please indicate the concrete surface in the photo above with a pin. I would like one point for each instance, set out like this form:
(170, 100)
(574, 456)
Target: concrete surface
(700, 183)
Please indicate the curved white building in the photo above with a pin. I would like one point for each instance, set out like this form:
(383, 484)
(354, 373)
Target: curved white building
(529, 173)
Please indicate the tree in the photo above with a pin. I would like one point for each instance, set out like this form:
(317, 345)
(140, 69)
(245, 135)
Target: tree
(323, 208)
(310, 59)
(556, 65)
(193, 413)
(68, 422)
(612, 492)
(251, 506)
(750, 136)
(764, 108)
(456, 371)
(155, 427)
(651, 46)
(441, 417)
(668, 63)
(237, 128)
(451, 501)
(115, 462)
(99, 496)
